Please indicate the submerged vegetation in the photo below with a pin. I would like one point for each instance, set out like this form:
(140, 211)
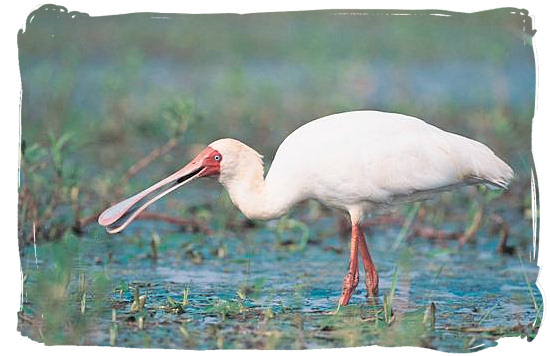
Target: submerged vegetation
(123, 107)
(236, 301)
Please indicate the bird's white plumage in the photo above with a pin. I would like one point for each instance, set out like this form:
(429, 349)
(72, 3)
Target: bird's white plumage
(357, 160)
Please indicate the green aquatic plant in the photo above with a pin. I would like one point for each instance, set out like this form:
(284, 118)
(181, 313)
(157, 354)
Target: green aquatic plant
(531, 294)
(413, 212)
(63, 300)
(286, 226)
(226, 308)
(388, 300)
(429, 316)
(251, 289)
(155, 244)
(175, 307)
(412, 328)
(138, 302)
(178, 115)
(113, 328)
(487, 313)
(185, 299)
(476, 212)
(47, 184)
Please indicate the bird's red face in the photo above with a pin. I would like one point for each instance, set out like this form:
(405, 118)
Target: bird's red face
(209, 159)
(120, 215)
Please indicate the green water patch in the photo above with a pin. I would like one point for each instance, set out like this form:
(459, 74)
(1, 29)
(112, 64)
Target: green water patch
(267, 289)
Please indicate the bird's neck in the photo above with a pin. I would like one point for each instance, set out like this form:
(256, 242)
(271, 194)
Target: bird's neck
(254, 197)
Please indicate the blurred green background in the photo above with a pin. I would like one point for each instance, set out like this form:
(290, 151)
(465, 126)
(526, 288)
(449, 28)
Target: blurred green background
(123, 85)
(257, 77)
(101, 93)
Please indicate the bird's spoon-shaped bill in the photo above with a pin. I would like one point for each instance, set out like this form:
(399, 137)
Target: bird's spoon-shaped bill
(119, 216)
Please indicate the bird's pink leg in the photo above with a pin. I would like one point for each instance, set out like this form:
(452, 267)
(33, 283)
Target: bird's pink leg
(370, 270)
(351, 280)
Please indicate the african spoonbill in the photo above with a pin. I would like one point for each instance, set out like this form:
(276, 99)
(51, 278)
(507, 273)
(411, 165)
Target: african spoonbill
(356, 162)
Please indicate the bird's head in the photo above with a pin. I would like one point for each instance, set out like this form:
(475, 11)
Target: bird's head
(239, 163)
(221, 159)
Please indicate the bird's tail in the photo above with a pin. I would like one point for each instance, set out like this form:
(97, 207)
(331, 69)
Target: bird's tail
(487, 167)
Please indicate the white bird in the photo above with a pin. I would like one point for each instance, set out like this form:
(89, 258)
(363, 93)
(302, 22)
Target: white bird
(355, 161)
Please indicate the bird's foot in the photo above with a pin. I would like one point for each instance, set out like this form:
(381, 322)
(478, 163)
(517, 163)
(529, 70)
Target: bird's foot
(372, 283)
(348, 287)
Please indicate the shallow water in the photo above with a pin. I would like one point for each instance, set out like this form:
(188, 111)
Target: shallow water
(250, 290)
